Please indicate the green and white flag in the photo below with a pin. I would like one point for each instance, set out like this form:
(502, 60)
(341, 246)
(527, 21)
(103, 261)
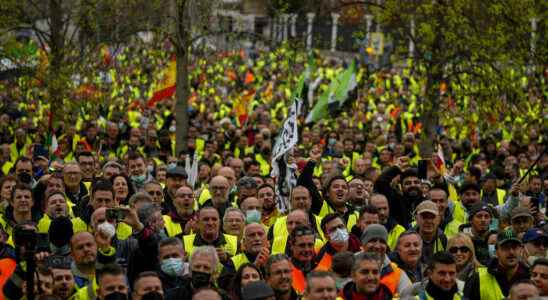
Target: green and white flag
(336, 94)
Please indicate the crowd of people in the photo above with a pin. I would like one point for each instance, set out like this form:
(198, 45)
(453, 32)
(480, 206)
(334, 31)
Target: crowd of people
(113, 212)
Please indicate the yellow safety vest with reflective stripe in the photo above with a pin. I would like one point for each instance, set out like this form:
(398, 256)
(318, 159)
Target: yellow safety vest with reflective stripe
(489, 287)
(352, 218)
(231, 245)
(393, 236)
(280, 227)
(280, 243)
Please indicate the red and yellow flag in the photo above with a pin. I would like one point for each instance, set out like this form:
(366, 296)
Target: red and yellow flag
(166, 88)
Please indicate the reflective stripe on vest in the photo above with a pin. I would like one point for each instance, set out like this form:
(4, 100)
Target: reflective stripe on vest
(392, 279)
(489, 287)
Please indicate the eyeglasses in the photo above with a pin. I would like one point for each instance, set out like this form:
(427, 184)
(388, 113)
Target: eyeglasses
(462, 249)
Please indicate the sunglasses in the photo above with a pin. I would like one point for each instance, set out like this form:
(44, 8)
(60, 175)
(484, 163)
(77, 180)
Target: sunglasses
(462, 249)
(302, 232)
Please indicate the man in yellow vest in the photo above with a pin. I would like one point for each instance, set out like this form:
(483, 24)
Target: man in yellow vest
(392, 227)
(494, 281)
(490, 193)
(428, 222)
(209, 234)
(448, 224)
(300, 200)
(255, 249)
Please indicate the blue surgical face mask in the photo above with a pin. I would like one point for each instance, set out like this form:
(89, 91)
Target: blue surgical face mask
(172, 266)
(252, 216)
(492, 250)
(332, 141)
(139, 179)
(171, 165)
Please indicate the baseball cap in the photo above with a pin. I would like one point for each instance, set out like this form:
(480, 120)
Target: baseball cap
(520, 212)
(374, 231)
(256, 290)
(507, 236)
(476, 208)
(176, 171)
(534, 234)
(427, 206)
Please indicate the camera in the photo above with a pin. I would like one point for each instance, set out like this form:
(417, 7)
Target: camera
(115, 214)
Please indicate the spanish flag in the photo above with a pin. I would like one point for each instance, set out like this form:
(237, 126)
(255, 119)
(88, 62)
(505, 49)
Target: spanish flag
(166, 88)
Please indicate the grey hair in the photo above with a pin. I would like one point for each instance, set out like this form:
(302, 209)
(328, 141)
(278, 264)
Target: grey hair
(370, 256)
(206, 251)
(146, 211)
(139, 196)
(233, 209)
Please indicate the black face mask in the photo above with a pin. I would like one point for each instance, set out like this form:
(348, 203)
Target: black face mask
(152, 296)
(200, 279)
(116, 296)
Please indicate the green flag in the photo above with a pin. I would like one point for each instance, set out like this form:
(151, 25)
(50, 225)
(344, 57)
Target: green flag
(336, 94)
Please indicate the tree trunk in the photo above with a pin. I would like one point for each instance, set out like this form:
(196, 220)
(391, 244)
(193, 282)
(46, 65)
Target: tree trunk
(56, 80)
(182, 92)
(430, 113)
(181, 98)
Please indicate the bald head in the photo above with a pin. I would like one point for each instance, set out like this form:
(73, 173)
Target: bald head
(98, 216)
(84, 251)
(229, 174)
(296, 217)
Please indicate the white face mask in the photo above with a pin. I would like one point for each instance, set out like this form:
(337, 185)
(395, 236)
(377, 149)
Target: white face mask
(107, 229)
(339, 236)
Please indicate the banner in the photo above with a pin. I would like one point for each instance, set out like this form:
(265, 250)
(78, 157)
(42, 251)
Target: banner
(283, 168)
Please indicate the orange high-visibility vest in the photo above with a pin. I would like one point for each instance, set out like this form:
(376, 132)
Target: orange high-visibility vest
(298, 280)
(392, 279)
(7, 267)
(325, 262)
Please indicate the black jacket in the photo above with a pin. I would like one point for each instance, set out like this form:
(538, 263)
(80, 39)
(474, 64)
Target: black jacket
(472, 286)
(401, 207)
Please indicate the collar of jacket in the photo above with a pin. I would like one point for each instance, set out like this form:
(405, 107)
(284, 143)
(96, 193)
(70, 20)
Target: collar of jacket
(438, 293)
